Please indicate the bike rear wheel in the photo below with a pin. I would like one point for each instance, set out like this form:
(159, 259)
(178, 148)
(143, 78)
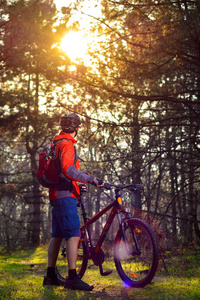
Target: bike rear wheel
(82, 260)
(136, 253)
(81, 263)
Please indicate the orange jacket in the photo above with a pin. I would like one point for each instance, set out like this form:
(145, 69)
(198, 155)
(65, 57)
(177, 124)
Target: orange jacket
(70, 174)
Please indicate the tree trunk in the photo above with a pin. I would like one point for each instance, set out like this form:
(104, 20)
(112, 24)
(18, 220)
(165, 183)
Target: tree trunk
(135, 155)
(35, 225)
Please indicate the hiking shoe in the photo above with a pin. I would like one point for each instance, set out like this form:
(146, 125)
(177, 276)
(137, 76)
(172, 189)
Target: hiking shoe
(78, 284)
(53, 281)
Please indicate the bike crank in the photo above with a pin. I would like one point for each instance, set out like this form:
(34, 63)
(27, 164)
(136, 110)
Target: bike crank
(98, 260)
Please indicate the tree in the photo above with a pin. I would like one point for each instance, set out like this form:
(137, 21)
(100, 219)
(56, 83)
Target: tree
(30, 70)
(147, 77)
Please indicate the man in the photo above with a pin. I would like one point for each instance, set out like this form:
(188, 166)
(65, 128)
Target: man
(65, 220)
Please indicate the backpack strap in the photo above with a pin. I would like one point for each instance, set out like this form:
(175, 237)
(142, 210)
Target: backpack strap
(75, 155)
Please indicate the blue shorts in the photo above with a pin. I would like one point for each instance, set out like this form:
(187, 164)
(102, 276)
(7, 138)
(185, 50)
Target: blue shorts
(65, 219)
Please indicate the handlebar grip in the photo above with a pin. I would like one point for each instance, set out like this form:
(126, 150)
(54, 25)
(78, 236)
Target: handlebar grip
(107, 186)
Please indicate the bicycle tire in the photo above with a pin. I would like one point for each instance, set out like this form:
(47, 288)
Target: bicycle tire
(134, 268)
(82, 261)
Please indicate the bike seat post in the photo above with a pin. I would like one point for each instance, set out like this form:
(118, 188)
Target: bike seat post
(83, 212)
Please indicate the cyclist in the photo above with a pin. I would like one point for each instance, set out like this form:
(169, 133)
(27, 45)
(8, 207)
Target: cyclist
(65, 220)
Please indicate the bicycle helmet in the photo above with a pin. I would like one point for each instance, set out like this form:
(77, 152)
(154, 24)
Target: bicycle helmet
(70, 122)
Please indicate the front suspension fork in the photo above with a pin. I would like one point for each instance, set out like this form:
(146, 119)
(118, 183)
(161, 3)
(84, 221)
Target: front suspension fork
(123, 225)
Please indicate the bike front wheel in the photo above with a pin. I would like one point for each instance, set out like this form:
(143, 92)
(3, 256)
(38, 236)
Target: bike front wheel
(136, 253)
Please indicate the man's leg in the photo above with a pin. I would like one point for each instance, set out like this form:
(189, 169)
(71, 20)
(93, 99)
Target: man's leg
(53, 250)
(71, 249)
(74, 282)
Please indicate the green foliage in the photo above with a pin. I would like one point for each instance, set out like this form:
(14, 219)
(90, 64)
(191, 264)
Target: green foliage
(142, 94)
(32, 69)
(21, 277)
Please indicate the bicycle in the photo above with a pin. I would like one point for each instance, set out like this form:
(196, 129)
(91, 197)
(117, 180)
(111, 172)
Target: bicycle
(135, 246)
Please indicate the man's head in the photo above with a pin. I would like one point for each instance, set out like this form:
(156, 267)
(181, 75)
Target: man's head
(70, 122)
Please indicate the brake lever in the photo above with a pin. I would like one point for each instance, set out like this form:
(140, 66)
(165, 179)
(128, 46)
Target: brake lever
(140, 187)
(83, 191)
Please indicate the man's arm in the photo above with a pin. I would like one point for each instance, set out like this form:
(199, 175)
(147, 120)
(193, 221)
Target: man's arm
(69, 170)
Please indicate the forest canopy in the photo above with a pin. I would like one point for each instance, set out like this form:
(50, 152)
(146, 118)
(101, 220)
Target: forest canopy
(138, 97)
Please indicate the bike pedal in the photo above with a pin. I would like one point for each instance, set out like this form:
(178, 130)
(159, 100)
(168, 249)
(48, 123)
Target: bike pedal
(106, 273)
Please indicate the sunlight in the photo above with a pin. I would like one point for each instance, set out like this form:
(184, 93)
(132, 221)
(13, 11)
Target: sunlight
(75, 45)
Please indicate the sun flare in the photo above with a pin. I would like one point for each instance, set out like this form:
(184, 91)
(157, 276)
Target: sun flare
(75, 45)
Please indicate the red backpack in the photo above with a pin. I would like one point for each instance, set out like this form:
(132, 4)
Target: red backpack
(49, 165)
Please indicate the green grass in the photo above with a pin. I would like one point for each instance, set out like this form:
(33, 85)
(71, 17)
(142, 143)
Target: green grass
(21, 277)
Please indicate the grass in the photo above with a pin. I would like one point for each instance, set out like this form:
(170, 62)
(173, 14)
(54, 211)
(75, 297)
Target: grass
(21, 277)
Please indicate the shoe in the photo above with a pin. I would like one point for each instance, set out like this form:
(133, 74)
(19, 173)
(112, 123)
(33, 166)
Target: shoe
(53, 281)
(78, 284)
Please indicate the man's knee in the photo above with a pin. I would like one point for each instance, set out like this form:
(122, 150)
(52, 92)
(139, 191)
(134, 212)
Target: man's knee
(56, 241)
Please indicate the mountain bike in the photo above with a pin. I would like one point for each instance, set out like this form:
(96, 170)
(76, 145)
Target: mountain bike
(135, 246)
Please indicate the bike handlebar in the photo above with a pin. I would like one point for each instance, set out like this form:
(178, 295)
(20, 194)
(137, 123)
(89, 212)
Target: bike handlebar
(108, 186)
(131, 186)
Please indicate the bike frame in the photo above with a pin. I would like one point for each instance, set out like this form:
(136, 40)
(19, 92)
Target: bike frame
(117, 207)
(132, 277)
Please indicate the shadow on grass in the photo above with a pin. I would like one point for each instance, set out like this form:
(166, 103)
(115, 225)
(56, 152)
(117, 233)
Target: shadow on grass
(61, 293)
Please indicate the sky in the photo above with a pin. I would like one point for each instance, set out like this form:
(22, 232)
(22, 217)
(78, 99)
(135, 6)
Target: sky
(74, 44)
(91, 7)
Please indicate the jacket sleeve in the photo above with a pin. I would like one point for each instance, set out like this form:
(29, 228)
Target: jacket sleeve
(68, 168)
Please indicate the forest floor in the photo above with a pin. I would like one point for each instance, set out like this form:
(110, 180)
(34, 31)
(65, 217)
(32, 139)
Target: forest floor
(22, 272)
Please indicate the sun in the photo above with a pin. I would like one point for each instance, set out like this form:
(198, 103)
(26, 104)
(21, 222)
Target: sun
(75, 45)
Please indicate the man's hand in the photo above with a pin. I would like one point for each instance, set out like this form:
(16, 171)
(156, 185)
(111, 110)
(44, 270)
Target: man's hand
(97, 182)
(82, 187)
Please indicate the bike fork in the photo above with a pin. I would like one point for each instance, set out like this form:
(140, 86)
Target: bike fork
(133, 232)
(121, 223)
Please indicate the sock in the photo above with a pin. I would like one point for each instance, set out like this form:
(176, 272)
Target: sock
(51, 272)
(72, 274)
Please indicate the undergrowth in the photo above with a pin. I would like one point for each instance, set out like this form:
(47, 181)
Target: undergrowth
(22, 272)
